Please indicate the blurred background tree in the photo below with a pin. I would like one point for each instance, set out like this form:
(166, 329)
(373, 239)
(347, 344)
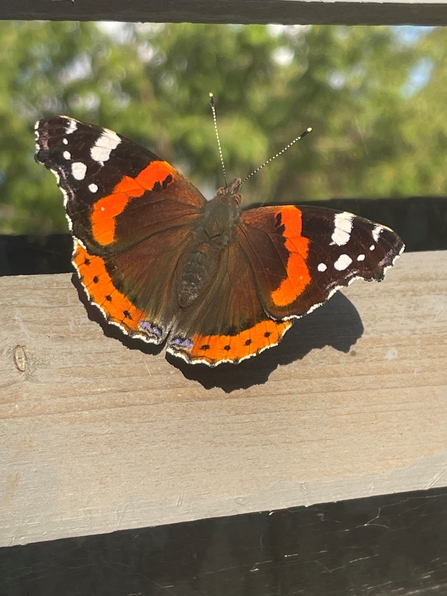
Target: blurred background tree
(371, 94)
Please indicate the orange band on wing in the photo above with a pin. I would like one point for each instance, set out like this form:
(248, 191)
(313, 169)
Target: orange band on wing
(106, 210)
(298, 275)
(95, 278)
(156, 171)
(217, 348)
(104, 214)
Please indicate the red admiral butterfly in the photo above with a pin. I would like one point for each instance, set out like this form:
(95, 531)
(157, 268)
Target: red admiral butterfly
(218, 283)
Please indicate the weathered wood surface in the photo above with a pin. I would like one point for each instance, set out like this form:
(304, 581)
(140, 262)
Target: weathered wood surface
(349, 12)
(95, 436)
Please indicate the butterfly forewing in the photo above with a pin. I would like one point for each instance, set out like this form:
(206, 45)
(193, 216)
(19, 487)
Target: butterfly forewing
(112, 186)
(302, 255)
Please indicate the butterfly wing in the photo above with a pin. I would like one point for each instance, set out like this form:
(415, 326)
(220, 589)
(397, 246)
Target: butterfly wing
(229, 324)
(113, 187)
(301, 255)
(130, 214)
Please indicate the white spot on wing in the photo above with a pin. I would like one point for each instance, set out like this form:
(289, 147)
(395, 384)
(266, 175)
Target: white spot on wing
(65, 141)
(361, 258)
(376, 233)
(372, 247)
(78, 169)
(322, 267)
(93, 187)
(103, 147)
(71, 127)
(339, 287)
(342, 228)
(342, 262)
(66, 155)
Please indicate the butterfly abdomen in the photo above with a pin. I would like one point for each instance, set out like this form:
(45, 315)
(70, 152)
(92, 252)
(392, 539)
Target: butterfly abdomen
(211, 236)
(196, 269)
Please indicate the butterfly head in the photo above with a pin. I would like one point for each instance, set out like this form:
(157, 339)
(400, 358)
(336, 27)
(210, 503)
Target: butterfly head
(231, 191)
(222, 212)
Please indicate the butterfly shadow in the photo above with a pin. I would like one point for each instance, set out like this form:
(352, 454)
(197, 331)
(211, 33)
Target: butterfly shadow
(336, 324)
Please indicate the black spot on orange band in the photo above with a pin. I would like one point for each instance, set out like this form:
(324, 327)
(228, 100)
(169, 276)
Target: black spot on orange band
(215, 348)
(98, 283)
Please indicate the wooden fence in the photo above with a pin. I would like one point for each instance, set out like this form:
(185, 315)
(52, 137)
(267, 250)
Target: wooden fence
(97, 435)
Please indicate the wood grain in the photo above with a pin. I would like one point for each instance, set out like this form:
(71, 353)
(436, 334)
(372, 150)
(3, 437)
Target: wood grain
(348, 12)
(96, 435)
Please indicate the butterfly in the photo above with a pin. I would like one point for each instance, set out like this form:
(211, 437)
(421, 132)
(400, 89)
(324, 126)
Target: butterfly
(216, 282)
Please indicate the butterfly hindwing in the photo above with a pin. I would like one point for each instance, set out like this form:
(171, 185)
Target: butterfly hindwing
(135, 289)
(230, 323)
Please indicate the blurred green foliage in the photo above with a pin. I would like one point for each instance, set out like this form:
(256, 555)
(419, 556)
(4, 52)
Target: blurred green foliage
(373, 96)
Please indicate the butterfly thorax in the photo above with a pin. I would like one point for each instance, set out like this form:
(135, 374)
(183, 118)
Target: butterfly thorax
(214, 232)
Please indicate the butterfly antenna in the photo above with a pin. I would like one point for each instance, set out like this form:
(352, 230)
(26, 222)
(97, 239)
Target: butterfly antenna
(213, 109)
(302, 135)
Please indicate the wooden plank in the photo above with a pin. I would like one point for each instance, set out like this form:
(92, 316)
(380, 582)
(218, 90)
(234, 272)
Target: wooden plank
(349, 12)
(96, 436)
